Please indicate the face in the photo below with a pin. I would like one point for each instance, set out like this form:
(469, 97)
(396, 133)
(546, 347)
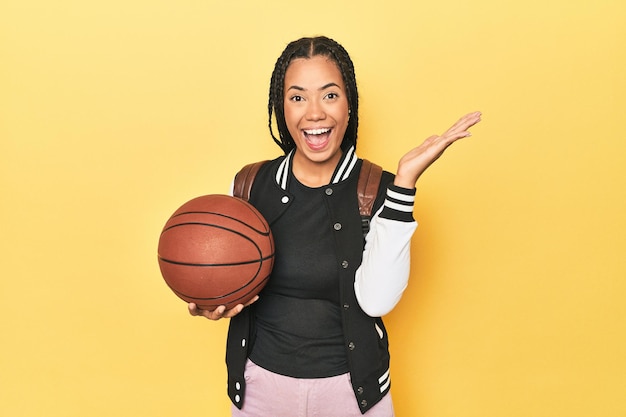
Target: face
(316, 110)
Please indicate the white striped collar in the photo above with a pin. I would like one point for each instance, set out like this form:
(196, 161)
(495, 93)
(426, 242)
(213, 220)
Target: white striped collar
(342, 172)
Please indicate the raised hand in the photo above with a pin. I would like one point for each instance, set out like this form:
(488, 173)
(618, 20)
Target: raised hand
(417, 160)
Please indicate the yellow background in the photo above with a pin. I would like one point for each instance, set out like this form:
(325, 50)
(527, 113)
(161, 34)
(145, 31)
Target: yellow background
(113, 113)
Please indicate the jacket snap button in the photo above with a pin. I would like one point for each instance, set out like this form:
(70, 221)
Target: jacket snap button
(351, 345)
(359, 390)
(329, 191)
(337, 226)
(346, 306)
(285, 199)
(344, 264)
(363, 403)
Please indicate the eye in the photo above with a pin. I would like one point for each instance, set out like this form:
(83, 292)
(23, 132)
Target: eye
(332, 96)
(296, 98)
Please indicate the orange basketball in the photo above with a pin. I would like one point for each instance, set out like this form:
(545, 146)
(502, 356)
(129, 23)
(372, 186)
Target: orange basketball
(216, 250)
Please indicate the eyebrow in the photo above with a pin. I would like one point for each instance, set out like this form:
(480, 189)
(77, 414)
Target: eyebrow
(324, 87)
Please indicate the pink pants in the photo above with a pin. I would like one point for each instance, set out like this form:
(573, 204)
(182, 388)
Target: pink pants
(272, 395)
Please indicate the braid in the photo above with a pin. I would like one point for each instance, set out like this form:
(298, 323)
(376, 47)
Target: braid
(307, 48)
(275, 104)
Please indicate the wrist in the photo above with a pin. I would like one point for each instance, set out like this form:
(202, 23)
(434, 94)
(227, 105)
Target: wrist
(404, 182)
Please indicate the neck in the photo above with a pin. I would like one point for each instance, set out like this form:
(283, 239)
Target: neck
(312, 173)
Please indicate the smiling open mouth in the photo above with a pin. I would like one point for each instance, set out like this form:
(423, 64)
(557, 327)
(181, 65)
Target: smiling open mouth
(317, 138)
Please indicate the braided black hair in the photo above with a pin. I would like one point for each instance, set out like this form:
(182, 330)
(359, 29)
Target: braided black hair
(308, 48)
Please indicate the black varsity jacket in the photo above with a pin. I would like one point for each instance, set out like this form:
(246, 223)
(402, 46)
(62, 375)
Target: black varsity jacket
(365, 337)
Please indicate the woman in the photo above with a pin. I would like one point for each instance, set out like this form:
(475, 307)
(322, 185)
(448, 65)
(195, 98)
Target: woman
(314, 342)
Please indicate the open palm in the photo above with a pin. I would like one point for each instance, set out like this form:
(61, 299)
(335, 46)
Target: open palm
(417, 160)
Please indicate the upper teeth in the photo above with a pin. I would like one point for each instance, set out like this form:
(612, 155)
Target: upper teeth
(316, 131)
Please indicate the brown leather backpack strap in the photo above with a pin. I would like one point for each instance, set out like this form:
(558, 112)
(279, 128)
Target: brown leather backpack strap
(245, 178)
(367, 188)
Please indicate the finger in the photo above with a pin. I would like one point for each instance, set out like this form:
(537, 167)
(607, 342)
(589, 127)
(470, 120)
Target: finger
(464, 122)
(452, 137)
(238, 308)
(470, 116)
(472, 119)
(215, 314)
(438, 144)
(233, 311)
(256, 297)
(193, 309)
(458, 133)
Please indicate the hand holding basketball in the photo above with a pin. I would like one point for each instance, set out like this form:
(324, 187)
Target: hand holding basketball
(220, 312)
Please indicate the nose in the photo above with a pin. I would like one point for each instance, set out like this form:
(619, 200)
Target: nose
(315, 111)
